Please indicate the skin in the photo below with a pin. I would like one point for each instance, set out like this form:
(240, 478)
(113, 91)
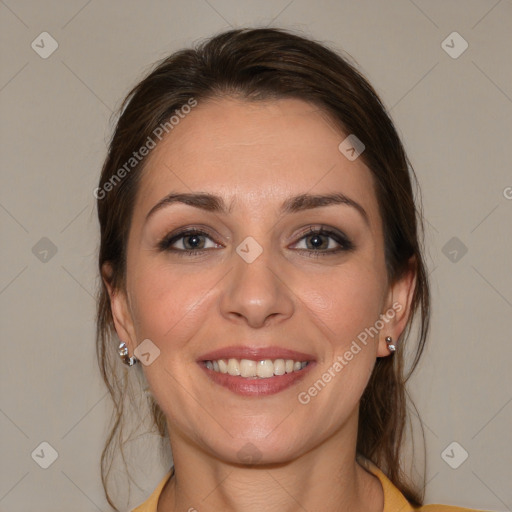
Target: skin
(257, 154)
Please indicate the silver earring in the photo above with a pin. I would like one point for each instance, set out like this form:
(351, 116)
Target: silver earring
(391, 346)
(123, 354)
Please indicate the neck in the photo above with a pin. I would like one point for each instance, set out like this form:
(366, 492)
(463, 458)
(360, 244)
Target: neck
(328, 474)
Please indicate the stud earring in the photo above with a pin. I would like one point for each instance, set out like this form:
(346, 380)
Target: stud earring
(391, 346)
(123, 354)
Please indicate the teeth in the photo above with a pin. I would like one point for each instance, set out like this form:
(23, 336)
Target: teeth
(265, 369)
(279, 368)
(223, 366)
(248, 368)
(233, 367)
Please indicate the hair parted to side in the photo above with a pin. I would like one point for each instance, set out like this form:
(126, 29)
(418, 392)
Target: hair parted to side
(266, 64)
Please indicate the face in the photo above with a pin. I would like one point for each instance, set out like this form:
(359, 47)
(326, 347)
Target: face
(265, 271)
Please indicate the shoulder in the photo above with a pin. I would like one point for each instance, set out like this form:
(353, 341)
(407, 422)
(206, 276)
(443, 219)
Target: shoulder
(395, 501)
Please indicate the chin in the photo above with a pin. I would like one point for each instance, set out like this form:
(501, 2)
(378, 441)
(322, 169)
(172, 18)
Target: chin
(250, 449)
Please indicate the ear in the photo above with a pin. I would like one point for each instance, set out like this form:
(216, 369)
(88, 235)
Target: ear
(121, 311)
(397, 308)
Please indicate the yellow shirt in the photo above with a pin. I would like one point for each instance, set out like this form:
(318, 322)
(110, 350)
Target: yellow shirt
(394, 500)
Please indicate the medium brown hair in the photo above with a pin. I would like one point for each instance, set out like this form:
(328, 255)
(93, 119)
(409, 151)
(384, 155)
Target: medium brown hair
(266, 64)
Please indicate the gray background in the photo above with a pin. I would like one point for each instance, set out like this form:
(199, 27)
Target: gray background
(454, 115)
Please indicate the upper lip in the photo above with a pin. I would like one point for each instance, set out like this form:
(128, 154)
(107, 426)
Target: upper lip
(255, 353)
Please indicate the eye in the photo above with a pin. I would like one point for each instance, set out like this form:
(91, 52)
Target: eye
(324, 241)
(316, 242)
(191, 241)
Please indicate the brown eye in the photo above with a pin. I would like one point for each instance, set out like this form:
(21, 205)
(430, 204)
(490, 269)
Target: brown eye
(317, 241)
(324, 241)
(189, 241)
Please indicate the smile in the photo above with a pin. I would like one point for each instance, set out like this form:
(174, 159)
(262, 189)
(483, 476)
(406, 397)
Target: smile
(248, 368)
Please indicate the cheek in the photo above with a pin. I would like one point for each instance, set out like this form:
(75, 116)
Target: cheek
(346, 304)
(169, 307)
(167, 304)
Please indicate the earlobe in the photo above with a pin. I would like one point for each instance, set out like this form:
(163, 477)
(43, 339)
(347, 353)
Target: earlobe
(398, 310)
(120, 310)
(391, 346)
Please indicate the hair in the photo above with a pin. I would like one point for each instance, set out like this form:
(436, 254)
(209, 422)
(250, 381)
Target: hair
(271, 64)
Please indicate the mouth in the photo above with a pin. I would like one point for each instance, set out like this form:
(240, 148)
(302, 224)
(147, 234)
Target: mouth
(255, 372)
(251, 369)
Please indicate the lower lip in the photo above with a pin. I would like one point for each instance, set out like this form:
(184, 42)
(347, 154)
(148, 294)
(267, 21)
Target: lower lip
(247, 386)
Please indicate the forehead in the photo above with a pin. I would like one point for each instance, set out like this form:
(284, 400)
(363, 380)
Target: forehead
(255, 152)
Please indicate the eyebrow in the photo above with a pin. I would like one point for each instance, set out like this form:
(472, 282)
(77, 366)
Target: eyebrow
(216, 204)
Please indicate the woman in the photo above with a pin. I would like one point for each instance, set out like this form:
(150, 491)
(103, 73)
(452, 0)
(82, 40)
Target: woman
(260, 257)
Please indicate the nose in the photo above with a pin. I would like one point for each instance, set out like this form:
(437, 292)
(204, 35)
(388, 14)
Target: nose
(256, 293)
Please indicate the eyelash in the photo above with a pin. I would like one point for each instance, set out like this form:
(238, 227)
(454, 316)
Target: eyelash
(341, 239)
